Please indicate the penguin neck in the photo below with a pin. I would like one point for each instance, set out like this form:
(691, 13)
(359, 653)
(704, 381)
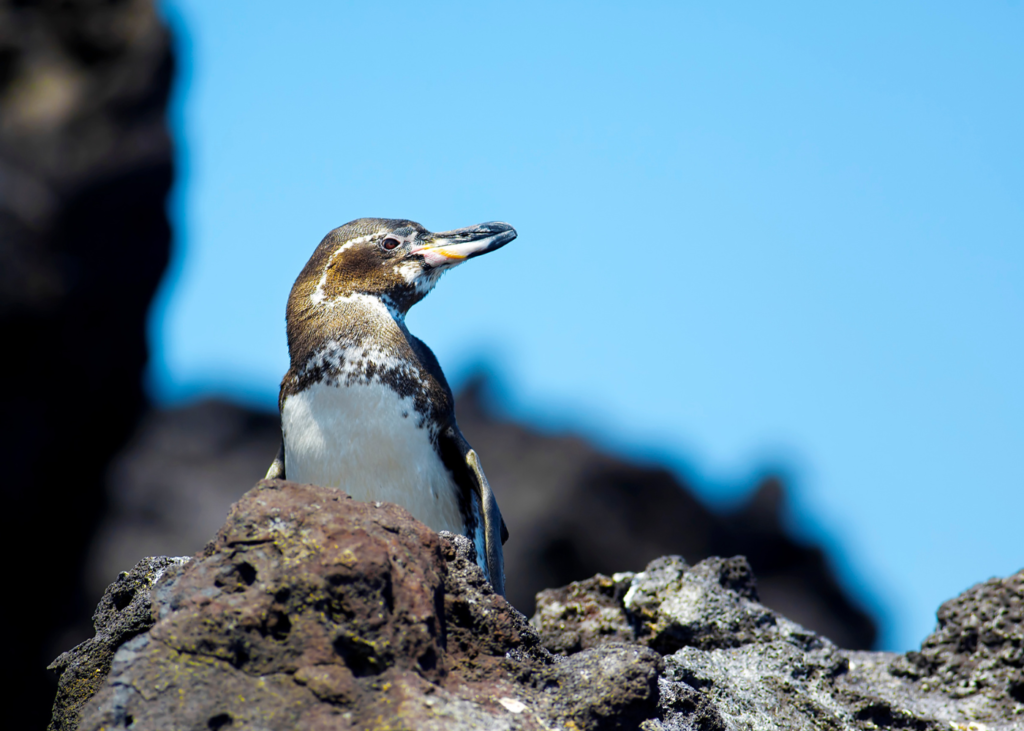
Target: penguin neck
(371, 306)
(364, 320)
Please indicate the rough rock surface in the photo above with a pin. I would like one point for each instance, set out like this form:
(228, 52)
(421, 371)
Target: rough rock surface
(977, 651)
(731, 663)
(123, 612)
(311, 610)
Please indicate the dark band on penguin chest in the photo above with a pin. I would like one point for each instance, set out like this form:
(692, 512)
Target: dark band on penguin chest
(343, 366)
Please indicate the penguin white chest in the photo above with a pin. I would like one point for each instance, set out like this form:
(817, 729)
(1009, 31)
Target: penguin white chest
(364, 439)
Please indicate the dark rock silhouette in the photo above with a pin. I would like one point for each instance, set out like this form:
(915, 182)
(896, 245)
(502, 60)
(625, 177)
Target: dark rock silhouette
(85, 166)
(312, 610)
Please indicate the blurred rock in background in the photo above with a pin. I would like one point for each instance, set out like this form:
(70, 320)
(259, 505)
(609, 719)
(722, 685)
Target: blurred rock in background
(85, 167)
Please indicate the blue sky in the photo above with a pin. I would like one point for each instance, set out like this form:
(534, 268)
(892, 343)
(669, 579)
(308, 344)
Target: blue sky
(752, 237)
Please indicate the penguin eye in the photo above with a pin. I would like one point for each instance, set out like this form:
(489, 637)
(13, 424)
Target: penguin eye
(389, 243)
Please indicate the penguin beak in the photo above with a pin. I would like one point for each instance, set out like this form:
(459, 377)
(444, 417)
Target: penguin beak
(449, 248)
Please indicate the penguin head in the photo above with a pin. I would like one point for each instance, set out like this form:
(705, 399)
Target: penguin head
(395, 260)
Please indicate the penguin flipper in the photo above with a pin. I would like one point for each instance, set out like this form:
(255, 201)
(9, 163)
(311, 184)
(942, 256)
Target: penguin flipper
(276, 471)
(495, 532)
(464, 464)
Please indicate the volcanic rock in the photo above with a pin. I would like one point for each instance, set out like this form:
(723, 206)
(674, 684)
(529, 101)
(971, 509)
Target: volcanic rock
(731, 663)
(312, 610)
(977, 651)
(123, 612)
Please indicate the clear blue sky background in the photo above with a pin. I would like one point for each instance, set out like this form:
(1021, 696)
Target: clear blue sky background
(752, 236)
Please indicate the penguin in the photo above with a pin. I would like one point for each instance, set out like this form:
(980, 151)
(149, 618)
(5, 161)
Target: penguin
(365, 406)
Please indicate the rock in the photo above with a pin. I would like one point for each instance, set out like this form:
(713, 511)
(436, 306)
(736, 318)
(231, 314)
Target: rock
(584, 614)
(612, 686)
(977, 651)
(731, 663)
(123, 613)
(311, 610)
(674, 606)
